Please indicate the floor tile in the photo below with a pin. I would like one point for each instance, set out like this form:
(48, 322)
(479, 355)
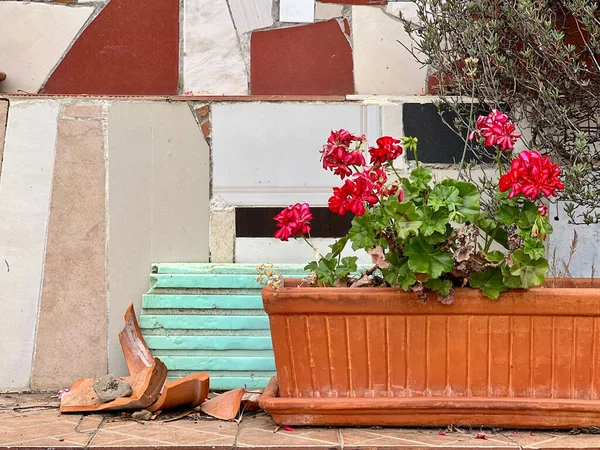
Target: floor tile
(259, 432)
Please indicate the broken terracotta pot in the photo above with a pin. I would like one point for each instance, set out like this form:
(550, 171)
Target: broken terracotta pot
(147, 376)
(250, 401)
(225, 406)
(189, 391)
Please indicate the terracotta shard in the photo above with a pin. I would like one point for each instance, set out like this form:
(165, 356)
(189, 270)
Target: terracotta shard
(145, 385)
(250, 401)
(137, 354)
(147, 376)
(226, 406)
(189, 391)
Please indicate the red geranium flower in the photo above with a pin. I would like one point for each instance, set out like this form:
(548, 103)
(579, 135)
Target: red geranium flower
(531, 174)
(543, 210)
(387, 150)
(293, 220)
(353, 195)
(337, 156)
(497, 130)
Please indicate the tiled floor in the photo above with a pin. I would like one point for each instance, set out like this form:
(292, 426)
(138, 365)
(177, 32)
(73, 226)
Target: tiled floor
(33, 422)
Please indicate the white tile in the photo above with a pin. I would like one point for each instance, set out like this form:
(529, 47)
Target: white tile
(212, 61)
(381, 64)
(294, 251)
(25, 187)
(158, 193)
(251, 15)
(392, 125)
(326, 11)
(588, 251)
(34, 38)
(297, 11)
(268, 153)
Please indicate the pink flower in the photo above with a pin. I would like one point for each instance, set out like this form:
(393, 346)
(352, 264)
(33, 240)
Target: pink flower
(293, 221)
(497, 129)
(531, 174)
(62, 393)
(543, 210)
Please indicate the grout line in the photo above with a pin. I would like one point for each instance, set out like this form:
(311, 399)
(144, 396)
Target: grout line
(95, 432)
(340, 438)
(235, 441)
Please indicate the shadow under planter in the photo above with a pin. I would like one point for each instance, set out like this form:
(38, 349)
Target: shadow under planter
(378, 356)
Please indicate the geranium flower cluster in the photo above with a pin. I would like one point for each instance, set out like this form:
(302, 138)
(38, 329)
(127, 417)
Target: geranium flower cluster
(368, 183)
(293, 221)
(531, 174)
(336, 154)
(497, 129)
(363, 184)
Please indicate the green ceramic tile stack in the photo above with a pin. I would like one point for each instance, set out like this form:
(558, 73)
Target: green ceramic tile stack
(209, 318)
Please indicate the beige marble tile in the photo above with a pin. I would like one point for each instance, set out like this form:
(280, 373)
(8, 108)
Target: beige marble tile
(71, 337)
(34, 38)
(158, 190)
(381, 64)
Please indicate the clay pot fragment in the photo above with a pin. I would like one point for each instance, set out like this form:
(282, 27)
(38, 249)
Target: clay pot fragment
(225, 406)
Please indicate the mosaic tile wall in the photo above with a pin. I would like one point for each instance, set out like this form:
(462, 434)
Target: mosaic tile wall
(207, 47)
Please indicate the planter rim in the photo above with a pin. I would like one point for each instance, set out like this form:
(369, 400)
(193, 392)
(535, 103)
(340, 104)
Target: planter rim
(580, 297)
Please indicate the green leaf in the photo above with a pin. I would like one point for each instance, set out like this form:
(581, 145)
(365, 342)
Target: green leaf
(507, 214)
(324, 269)
(338, 246)
(490, 281)
(510, 280)
(433, 221)
(420, 178)
(362, 234)
(534, 248)
(529, 213)
(347, 266)
(490, 227)
(495, 256)
(444, 197)
(425, 258)
(440, 286)
(469, 194)
(406, 219)
(437, 238)
(399, 274)
(532, 272)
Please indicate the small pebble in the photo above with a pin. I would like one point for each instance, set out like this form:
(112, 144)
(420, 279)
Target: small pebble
(144, 414)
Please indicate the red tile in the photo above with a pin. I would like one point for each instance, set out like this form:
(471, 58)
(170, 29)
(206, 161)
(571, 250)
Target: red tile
(132, 47)
(313, 59)
(356, 2)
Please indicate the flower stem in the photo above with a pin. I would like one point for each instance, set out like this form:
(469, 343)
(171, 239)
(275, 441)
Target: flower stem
(489, 242)
(462, 160)
(415, 156)
(309, 242)
(499, 161)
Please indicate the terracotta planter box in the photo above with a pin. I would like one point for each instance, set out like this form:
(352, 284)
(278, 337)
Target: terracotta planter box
(378, 356)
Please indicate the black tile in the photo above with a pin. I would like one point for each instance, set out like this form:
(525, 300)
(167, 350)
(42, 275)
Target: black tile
(258, 222)
(437, 142)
